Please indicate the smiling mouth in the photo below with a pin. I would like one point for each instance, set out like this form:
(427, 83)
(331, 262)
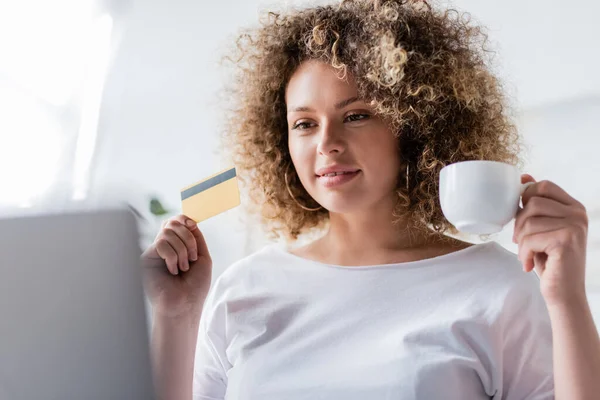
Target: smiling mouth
(338, 173)
(335, 179)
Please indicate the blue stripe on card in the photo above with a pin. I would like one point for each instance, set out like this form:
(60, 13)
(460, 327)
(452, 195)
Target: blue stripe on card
(207, 184)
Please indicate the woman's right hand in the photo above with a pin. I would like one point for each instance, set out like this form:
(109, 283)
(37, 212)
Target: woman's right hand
(177, 269)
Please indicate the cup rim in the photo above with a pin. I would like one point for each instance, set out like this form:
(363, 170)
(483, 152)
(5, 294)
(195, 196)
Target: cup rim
(480, 161)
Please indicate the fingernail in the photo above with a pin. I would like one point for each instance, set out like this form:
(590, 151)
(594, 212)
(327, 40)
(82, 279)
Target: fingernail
(193, 256)
(190, 223)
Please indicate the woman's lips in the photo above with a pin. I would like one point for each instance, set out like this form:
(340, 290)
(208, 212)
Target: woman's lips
(337, 180)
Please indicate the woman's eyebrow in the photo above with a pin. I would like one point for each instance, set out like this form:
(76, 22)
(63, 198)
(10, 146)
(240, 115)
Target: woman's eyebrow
(337, 106)
(346, 102)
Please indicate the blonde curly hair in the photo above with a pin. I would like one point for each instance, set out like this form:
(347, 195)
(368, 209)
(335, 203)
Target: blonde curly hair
(424, 70)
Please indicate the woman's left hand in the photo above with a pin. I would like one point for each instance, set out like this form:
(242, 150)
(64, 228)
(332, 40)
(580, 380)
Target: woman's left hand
(551, 231)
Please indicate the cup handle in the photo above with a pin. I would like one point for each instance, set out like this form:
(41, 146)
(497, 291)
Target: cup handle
(524, 186)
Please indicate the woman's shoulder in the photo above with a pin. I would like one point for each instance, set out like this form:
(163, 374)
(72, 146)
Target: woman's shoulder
(503, 265)
(487, 270)
(499, 274)
(251, 266)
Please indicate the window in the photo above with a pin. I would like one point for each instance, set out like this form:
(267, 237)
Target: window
(53, 61)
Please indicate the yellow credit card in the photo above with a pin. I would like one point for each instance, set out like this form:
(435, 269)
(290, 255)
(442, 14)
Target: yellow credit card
(211, 196)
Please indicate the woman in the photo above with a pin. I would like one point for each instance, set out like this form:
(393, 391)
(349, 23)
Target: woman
(346, 115)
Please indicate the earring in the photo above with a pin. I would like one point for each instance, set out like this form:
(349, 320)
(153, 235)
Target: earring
(407, 176)
(292, 196)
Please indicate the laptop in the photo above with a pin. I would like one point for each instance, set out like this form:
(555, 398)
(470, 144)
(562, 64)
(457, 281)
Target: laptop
(73, 322)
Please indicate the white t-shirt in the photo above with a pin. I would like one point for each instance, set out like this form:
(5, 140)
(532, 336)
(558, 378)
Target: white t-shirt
(465, 325)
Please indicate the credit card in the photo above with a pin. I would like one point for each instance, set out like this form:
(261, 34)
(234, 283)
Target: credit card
(211, 196)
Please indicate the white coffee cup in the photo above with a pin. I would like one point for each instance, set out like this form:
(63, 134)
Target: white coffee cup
(480, 197)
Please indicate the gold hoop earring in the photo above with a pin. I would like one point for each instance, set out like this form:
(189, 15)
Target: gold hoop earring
(287, 186)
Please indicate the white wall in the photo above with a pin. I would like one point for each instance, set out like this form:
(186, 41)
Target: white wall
(160, 129)
(548, 49)
(563, 143)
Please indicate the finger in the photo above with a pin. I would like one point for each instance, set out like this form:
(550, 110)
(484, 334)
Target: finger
(179, 247)
(549, 190)
(179, 218)
(533, 225)
(183, 219)
(527, 178)
(539, 262)
(167, 253)
(534, 243)
(540, 207)
(186, 237)
(162, 226)
(193, 227)
(200, 242)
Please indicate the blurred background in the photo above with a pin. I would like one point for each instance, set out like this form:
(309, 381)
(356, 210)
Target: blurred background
(104, 101)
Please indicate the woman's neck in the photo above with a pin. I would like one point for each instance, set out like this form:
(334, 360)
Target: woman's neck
(368, 232)
(373, 239)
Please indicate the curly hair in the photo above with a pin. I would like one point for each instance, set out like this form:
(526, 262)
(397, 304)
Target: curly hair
(425, 71)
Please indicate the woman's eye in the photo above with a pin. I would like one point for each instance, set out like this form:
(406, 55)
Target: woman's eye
(356, 117)
(302, 125)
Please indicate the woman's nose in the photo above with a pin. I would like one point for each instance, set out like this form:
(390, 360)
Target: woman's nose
(330, 140)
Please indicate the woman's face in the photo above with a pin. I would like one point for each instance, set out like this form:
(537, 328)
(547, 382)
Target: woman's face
(331, 130)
